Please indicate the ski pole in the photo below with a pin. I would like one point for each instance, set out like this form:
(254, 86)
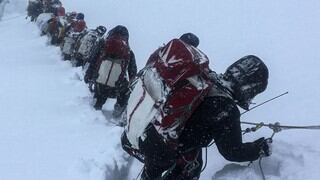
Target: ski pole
(265, 102)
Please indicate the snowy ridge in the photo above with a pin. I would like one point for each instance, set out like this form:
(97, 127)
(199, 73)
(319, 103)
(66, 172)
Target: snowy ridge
(50, 131)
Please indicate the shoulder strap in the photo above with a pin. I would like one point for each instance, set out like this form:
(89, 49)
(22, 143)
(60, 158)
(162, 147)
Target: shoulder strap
(218, 89)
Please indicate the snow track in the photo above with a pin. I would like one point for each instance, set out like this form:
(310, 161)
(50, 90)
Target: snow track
(49, 129)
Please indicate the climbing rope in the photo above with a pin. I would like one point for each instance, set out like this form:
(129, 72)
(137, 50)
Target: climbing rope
(206, 156)
(206, 160)
(269, 100)
(140, 173)
(261, 169)
(276, 128)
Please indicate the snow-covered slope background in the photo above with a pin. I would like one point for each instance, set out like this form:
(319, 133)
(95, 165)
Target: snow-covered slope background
(49, 129)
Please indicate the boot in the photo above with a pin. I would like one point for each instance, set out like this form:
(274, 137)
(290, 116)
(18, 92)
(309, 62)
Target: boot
(99, 103)
(118, 110)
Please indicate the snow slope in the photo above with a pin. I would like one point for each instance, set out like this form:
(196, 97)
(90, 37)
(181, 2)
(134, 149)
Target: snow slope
(49, 130)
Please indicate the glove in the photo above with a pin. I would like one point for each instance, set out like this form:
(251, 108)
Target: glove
(265, 146)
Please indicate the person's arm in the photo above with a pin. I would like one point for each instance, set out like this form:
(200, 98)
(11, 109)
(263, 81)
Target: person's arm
(92, 71)
(132, 67)
(228, 135)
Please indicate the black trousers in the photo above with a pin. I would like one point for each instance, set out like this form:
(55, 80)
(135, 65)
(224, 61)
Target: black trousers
(158, 158)
(103, 92)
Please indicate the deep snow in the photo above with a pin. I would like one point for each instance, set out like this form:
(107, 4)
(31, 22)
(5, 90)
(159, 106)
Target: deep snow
(50, 131)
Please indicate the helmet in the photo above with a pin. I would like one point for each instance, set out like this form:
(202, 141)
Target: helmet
(190, 39)
(248, 77)
(80, 16)
(56, 2)
(101, 30)
(120, 30)
(71, 14)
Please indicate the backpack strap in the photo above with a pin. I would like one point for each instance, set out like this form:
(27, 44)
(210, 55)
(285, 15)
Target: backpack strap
(218, 89)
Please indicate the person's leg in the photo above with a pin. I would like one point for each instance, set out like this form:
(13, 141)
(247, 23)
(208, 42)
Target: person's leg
(2, 6)
(100, 95)
(122, 100)
(159, 157)
(188, 166)
(126, 146)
